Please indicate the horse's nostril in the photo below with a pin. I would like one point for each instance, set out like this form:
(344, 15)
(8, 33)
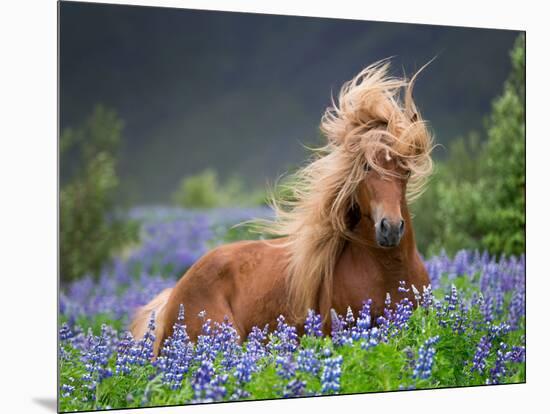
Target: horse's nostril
(384, 225)
(401, 226)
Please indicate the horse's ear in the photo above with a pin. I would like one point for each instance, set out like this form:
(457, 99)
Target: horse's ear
(353, 216)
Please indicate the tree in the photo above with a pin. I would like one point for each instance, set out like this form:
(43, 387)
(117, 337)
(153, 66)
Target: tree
(90, 231)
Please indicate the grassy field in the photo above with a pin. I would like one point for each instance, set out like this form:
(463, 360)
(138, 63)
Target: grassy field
(468, 329)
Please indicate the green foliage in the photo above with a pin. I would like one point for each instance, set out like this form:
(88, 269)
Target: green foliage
(476, 199)
(204, 190)
(90, 232)
(504, 161)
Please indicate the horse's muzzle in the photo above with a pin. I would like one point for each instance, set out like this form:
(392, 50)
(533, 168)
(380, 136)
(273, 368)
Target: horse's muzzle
(389, 233)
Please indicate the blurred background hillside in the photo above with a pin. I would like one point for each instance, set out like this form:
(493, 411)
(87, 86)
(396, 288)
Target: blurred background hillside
(201, 109)
(241, 92)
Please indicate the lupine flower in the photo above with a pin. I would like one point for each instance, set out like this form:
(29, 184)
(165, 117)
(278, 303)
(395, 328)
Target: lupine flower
(312, 325)
(294, 388)
(123, 360)
(498, 330)
(517, 354)
(206, 386)
(326, 352)
(226, 342)
(176, 356)
(402, 287)
(284, 340)
(142, 351)
(364, 317)
(330, 377)
(245, 368)
(255, 343)
(205, 348)
(65, 332)
(425, 360)
(338, 329)
(286, 367)
(96, 358)
(427, 297)
(402, 314)
(517, 307)
(482, 352)
(67, 390)
(307, 361)
(498, 372)
(371, 338)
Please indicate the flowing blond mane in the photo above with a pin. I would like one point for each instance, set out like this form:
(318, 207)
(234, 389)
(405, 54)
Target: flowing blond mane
(374, 112)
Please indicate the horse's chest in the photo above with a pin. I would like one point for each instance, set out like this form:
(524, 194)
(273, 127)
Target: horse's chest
(358, 279)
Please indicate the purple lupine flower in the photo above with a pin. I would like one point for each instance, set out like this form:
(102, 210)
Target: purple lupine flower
(142, 351)
(461, 263)
(499, 300)
(497, 331)
(209, 387)
(284, 340)
(307, 361)
(255, 343)
(427, 299)
(243, 374)
(206, 346)
(330, 376)
(499, 371)
(67, 390)
(294, 388)
(341, 329)
(176, 355)
(286, 367)
(123, 360)
(245, 368)
(517, 354)
(65, 332)
(402, 314)
(215, 390)
(425, 360)
(226, 342)
(517, 307)
(363, 322)
(371, 338)
(482, 352)
(402, 287)
(452, 298)
(96, 358)
(312, 325)
(486, 308)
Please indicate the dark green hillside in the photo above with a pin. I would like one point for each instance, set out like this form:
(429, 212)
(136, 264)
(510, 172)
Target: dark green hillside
(239, 92)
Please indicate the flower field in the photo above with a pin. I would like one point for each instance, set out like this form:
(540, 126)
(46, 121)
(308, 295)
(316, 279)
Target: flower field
(468, 329)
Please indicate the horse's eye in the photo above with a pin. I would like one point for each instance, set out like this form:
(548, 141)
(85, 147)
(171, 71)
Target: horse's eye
(407, 174)
(367, 167)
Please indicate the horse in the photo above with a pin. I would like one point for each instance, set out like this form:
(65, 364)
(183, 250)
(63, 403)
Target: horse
(345, 235)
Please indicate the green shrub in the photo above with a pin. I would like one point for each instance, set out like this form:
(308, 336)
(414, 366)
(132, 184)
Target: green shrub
(90, 231)
(198, 191)
(477, 197)
(203, 190)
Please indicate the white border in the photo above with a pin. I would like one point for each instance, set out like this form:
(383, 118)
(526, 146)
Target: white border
(28, 207)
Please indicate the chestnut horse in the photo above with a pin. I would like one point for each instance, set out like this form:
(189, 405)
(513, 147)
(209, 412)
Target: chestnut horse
(346, 236)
